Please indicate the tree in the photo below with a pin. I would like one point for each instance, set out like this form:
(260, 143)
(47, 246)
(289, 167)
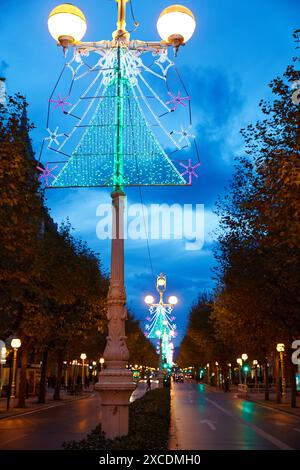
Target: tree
(258, 253)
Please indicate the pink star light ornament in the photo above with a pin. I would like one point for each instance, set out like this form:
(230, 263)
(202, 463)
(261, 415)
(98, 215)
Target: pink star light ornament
(46, 173)
(190, 170)
(61, 102)
(177, 100)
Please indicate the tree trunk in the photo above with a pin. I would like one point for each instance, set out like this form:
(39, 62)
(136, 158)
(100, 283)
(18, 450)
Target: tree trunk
(23, 378)
(266, 379)
(292, 370)
(42, 388)
(56, 395)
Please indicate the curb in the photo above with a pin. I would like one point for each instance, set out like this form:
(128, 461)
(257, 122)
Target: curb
(273, 408)
(173, 440)
(44, 407)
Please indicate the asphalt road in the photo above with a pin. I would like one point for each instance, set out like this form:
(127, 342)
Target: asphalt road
(208, 420)
(47, 429)
(203, 419)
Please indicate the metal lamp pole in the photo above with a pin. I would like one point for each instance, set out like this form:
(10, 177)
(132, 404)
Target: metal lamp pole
(280, 348)
(82, 357)
(116, 384)
(15, 343)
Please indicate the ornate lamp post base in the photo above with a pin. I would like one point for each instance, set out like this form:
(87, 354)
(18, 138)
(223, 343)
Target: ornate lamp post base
(115, 387)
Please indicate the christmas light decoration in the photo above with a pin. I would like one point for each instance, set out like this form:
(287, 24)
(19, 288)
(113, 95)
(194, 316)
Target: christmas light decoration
(53, 136)
(190, 170)
(46, 173)
(61, 102)
(177, 100)
(185, 136)
(93, 160)
(161, 322)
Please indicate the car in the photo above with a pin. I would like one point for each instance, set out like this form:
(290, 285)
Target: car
(179, 378)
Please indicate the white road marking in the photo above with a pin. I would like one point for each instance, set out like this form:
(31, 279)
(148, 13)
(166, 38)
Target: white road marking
(281, 445)
(209, 423)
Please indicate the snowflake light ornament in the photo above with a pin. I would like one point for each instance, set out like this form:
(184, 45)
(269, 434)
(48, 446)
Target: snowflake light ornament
(190, 170)
(177, 100)
(162, 59)
(46, 173)
(61, 102)
(53, 137)
(185, 135)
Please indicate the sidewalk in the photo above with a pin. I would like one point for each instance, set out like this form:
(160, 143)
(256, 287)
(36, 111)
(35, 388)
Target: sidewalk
(259, 399)
(33, 405)
(141, 389)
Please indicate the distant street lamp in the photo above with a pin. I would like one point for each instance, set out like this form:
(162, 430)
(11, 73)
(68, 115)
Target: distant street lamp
(240, 363)
(161, 325)
(82, 357)
(102, 360)
(217, 371)
(255, 364)
(245, 368)
(208, 373)
(280, 348)
(15, 344)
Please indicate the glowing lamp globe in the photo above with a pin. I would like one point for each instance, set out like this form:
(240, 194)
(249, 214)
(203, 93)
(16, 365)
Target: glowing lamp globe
(15, 343)
(67, 23)
(173, 300)
(176, 23)
(149, 299)
(244, 357)
(83, 356)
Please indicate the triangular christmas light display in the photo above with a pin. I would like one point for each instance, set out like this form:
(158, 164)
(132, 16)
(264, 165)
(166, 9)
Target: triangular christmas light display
(144, 162)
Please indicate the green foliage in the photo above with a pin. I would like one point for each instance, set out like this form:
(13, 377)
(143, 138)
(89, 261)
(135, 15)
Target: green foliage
(140, 348)
(200, 344)
(259, 255)
(148, 427)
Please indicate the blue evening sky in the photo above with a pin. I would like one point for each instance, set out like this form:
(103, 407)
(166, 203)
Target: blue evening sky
(238, 47)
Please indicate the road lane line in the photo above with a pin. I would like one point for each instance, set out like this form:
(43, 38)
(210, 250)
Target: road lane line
(12, 440)
(281, 445)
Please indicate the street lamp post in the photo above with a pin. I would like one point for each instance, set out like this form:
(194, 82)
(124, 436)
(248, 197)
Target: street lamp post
(67, 25)
(244, 359)
(83, 358)
(255, 364)
(217, 373)
(280, 348)
(15, 344)
(240, 363)
(164, 324)
(102, 360)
